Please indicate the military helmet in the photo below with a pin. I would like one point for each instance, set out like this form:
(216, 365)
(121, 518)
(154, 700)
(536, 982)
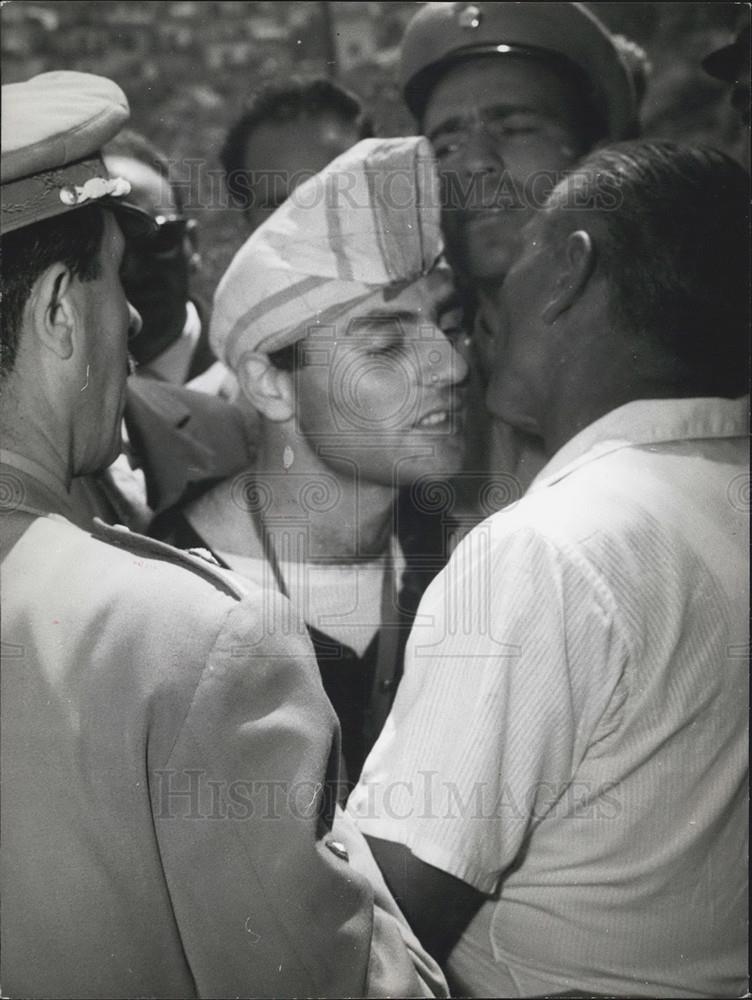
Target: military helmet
(441, 34)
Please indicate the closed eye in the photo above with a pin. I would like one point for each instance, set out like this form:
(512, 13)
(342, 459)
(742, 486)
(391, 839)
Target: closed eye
(502, 122)
(448, 144)
(452, 324)
(379, 329)
(511, 127)
(450, 317)
(385, 350)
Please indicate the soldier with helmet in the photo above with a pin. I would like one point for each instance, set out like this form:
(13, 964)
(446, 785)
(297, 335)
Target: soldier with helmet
(511, 96)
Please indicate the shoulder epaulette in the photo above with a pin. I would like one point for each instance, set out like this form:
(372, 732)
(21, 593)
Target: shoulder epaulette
(203, 564)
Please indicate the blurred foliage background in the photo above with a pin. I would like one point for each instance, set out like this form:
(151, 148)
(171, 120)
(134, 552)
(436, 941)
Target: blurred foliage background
(188, 67)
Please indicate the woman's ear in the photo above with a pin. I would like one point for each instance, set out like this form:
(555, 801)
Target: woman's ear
(575, 262)
(55, 310)
(268, 389)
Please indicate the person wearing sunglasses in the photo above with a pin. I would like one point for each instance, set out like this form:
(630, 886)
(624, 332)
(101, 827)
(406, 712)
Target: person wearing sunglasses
(173, 344)
(172, 436)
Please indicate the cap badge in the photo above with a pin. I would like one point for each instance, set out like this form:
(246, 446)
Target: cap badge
(94, 188)
(469, 17)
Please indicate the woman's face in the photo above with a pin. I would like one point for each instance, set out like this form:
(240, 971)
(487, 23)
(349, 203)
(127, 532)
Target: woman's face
(379, 394)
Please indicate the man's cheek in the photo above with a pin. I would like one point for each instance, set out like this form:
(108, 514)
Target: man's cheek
(485, 348)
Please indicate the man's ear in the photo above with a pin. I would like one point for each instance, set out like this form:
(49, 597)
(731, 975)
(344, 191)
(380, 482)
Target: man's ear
(268, 389)
(54, 310)
(575, 262)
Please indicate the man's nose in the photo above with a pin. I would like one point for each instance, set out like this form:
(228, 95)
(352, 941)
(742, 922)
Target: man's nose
(134, 322)
(480, 153)
(444, 364)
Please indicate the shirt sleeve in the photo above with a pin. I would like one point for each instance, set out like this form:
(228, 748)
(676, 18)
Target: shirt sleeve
(512, 662)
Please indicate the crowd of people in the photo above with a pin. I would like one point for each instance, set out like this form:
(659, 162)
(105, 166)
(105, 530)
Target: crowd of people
(380, 628)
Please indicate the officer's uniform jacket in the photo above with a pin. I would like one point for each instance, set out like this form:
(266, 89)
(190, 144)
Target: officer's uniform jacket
(166, 749)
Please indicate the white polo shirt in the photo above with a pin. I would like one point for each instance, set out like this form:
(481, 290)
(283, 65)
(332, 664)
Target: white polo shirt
(570, 735)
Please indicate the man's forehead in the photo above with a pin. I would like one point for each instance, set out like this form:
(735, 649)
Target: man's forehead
(420, 298)
(484, 81)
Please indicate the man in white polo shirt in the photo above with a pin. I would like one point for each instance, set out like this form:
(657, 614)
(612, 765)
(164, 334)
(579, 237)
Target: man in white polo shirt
(559, 797)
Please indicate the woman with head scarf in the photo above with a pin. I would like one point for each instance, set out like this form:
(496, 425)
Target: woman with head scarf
(339, 318)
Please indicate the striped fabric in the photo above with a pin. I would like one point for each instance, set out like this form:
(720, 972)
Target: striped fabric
(369, 219)
(570, 736)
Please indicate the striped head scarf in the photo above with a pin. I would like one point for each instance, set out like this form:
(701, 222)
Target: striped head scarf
(370, 219)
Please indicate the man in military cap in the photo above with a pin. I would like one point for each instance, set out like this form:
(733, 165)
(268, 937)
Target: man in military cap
(167, 748)
(511, 95)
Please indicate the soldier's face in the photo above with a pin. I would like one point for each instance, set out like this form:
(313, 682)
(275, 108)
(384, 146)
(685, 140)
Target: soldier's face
(107, 320)
(503, 130)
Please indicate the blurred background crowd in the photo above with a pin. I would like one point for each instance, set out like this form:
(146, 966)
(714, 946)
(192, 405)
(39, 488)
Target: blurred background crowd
(189, 67)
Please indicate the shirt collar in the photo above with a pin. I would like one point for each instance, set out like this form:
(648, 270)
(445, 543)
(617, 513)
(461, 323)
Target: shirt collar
(646, 422)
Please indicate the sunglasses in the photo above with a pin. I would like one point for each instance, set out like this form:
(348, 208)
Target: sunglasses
(169, 239)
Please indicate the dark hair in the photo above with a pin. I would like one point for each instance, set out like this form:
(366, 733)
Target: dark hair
(288, 359)
(286, 102)
(73, 239)
(135, 146)
(675, 250)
